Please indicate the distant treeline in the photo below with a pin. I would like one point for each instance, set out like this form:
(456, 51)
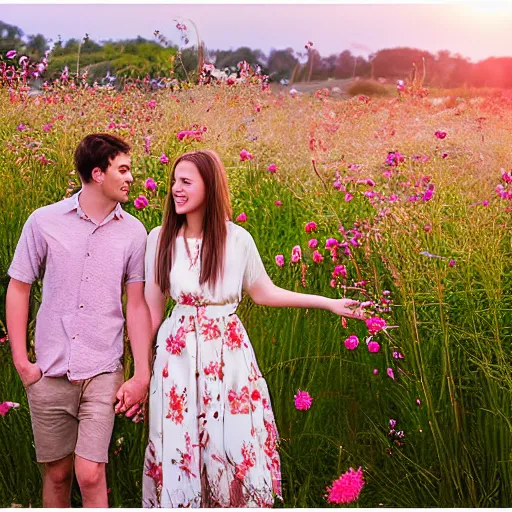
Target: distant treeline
(140, 57)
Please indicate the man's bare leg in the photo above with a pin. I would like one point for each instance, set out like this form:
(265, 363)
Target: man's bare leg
(57, 480)
(92, 481)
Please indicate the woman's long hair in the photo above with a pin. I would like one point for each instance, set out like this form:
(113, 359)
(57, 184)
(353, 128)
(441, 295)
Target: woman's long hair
(217, 213)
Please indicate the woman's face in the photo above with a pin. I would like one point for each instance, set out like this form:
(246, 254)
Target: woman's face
(188, 189)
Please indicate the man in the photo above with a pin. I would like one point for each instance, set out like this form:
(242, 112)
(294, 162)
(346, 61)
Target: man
(88, 249)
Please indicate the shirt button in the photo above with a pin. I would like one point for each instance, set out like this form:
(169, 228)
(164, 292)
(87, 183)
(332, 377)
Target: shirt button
(88, 254)
(81, 306)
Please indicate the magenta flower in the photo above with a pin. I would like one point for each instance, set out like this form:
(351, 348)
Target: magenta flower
(398, 355)
(47, 127)
(313, 243)
(141, 202)
(152, 104)
(390, 373)
(164, 159)
(272, 168)
(452, 263)
(427, 228)
(150, 184)
(340, 270)
(392, 423)
(331, 243)
(439, 134)
(280, 260)
(370, 182)
(373, 347)
(375, 371)
(310, 226)
(317, 257)
(245, 155)
(351, 342)
(308, 45)
(375, 324)
(303, 400)
(348, 197)
(193, 134)
(347, 488)
(6, 406)
(11, 54)
(418, 401)
(278, 203)
(21, 127)
(242, 217)
(400, 85)
(296, 254)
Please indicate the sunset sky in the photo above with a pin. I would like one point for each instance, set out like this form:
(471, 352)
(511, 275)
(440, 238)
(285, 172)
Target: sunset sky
(477, 31)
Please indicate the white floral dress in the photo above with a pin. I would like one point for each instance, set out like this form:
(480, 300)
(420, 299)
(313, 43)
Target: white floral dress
(212, 435)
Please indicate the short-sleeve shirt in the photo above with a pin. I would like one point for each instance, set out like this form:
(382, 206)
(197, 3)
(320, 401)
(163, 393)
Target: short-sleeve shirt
(243, 266)
(84, 266)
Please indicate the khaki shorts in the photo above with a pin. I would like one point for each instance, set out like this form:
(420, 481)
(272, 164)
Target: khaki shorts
(74, 416)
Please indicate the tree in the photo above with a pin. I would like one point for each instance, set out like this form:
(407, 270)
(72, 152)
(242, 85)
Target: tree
(10, 38)
(281, 64)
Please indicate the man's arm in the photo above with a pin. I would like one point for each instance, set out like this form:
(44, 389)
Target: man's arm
(17, 305)
(138, 321)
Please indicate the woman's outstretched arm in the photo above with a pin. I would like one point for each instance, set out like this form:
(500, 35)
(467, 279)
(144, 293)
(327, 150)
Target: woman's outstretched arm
(265, 293)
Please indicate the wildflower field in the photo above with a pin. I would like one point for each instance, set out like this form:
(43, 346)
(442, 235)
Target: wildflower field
(399, 202)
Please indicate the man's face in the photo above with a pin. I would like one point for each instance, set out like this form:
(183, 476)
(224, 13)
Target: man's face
(117, 179)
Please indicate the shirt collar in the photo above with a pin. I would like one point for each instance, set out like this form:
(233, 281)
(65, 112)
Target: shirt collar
(74, 204)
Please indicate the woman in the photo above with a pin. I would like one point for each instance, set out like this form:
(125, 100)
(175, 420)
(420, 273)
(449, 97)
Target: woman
(212, 434)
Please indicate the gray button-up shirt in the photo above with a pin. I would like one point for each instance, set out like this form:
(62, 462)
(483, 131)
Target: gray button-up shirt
(79, 326)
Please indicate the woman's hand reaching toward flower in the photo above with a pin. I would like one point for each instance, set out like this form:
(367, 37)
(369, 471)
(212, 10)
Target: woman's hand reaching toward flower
(348, 308)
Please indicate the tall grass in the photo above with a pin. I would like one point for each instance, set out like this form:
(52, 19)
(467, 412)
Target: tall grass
(453, 323)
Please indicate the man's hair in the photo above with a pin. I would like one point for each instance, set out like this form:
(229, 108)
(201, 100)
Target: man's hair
(98, 150)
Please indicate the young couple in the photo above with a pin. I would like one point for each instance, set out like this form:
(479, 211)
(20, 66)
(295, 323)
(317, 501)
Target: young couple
(212, 434)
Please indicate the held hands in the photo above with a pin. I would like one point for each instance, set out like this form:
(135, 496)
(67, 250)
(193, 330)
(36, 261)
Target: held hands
(348, 308)
(132, 396)
(29, 374)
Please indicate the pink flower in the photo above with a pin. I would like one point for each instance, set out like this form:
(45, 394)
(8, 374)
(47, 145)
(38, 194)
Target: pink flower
(296, 254)
(400, 85)
(242, 217)
(340, 270)
(11, 54)
(351, 342)
(6, 406)
(245, 155)
(313, 243)
(418, 401)
(317, 257)
(332, 283)
(398, 355)
(152, 104)
(375, 371)
(390, 373)
(278, 203)
(373, 347)
(348, 197)
(272, 168)
(257, 108)
(452, 263)
(141, 202)
(164, 159)
(47, 127)
(303, 400)
(427, 228)
(370, 182)
(279, 260)
(193, 134)
(308, 45)
(331, 243)
(347, 488)
(375, 324)
(440, 135)
(21, 127)
(147, 144)
(150, 184)
(310, 226)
